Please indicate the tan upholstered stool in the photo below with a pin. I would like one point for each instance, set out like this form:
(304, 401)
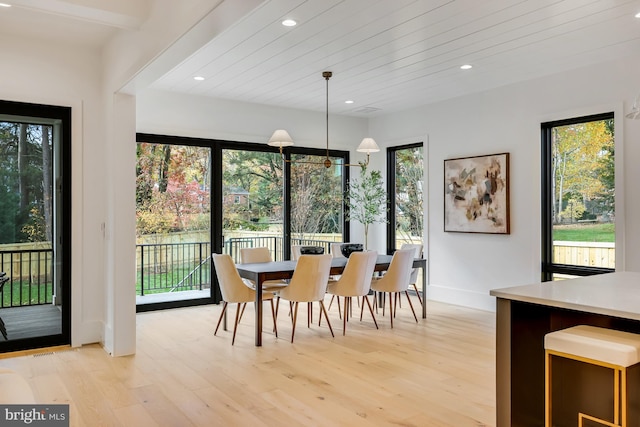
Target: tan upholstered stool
(613, 349)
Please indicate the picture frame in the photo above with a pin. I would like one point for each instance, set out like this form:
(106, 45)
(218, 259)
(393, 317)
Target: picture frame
(476, 196)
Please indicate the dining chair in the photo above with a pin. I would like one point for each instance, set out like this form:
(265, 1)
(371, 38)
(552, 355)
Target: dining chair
(355, 281)
(396, 279)
(234, 290)
(295, 252)
(336, 251)
(308, 284)
(414, 271)
(257, 256)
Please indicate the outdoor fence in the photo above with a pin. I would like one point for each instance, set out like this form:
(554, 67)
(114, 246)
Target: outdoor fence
(591, 254)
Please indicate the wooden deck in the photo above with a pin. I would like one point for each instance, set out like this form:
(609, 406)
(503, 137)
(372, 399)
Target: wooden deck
(32, 321)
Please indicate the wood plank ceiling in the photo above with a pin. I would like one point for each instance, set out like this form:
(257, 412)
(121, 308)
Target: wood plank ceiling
(386, 55)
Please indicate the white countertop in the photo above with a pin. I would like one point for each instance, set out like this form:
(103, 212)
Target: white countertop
(613, 294)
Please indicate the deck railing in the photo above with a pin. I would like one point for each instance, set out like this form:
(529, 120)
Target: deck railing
(170, 267)
(30, 273)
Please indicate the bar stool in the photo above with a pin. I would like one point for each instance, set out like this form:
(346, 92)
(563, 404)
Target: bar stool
(612, 349)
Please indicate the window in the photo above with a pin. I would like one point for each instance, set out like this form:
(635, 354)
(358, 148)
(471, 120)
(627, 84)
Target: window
(578, 189)
(195, 197)
(405, 172)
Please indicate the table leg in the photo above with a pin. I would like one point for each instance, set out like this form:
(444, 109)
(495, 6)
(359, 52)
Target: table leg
(424, 290)
(258, 313)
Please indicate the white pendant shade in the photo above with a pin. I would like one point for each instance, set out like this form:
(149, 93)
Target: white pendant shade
(368, 145)
(280, 138)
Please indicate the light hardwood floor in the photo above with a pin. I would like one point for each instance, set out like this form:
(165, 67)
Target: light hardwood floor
(439, 372)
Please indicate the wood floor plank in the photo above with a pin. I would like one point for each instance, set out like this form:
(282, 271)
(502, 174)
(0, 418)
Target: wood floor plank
(438, 372)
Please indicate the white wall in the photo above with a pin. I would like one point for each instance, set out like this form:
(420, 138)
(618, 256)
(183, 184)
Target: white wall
(38, 72)
(169, 113)
(464, 267)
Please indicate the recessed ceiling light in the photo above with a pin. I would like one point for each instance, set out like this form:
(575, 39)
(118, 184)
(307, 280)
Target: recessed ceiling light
(198, 78)
(466, 67)
(5, 5)
(638, 15)
(348, 101)
(289, 23)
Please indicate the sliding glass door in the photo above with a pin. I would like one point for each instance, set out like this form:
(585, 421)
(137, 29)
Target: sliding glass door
(34, 225)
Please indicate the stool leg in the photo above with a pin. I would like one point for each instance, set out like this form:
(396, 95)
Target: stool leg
(616, 396)
(623, 374)
(547, 389)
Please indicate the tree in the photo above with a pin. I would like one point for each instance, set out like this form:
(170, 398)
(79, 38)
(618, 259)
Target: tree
(579, 159)
(367, 200)
(408, 180)
(171, 194)
(25, 182)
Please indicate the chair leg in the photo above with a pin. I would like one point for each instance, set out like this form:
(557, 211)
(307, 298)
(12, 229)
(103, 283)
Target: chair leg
(242, 312)
(390, 309)
(324, 310)
(344, 319)
(339, 309)
(366, 298)
(331, 302)
(395, 304)
(275, 324)
(309, 314)
(411, 305)
(235, 326)
(294, 317)
(224, 308)
(418, 293)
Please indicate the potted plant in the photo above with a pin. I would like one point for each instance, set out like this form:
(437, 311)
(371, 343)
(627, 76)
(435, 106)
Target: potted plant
(366, 200)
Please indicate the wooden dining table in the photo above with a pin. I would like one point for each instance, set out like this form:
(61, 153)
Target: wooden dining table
(261, 272)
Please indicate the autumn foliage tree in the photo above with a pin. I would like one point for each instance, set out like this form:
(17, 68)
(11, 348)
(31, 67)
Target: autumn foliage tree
(582, 170)
(172, 191)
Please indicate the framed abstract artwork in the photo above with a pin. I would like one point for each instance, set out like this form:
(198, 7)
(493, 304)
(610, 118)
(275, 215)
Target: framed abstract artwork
(476, 196)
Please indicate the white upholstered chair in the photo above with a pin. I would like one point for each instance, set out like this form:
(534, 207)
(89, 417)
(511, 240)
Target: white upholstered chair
(355, 281)
(396, 279)
(336, 250)
(414, 271)
(234, 290)
(256, 256)
(308, 284)
(295, 252)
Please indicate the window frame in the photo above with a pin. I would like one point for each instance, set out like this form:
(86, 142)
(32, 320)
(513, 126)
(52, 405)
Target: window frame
(216, 194)
(391, 186)
(62, 187)
(548, 268)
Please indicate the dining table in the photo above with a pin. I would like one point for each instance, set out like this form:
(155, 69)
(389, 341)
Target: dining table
(277, 270)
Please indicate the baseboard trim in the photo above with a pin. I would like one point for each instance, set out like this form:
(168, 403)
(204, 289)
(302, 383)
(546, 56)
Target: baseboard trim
(462, 297)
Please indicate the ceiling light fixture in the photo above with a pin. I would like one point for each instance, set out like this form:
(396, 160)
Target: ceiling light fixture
(289, 23)
(198, 78)
(466, 67)
(637, 15)
(348, 101)
(635, 110)
(5, 5)
(281, 138)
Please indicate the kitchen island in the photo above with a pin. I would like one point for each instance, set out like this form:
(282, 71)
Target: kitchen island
(526, 313)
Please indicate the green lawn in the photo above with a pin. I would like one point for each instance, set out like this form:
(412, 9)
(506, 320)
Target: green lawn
(584, 232)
